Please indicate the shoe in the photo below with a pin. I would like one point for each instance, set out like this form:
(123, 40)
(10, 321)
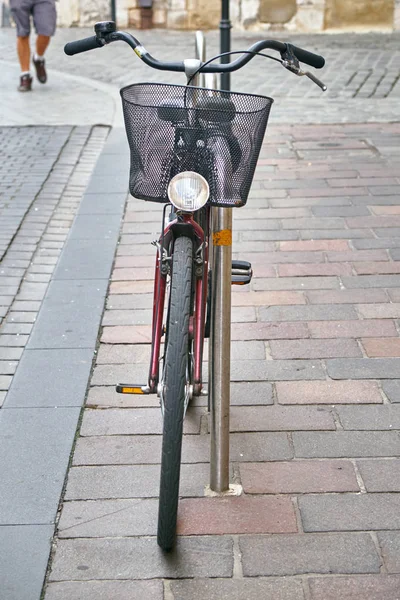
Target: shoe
(25, 83)
(40, 70)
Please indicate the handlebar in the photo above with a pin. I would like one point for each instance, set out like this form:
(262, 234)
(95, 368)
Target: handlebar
(314, 60)
(105, 35)
(89, 43)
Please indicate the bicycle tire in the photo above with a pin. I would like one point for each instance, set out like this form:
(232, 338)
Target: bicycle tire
(174, 381)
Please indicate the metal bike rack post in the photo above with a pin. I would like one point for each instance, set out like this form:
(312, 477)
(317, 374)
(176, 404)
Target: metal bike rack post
(220, 342)
(220, 331)
(219, 367)
(200, 53)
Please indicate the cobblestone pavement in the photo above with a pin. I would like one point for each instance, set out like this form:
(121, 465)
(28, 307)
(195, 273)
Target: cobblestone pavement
(32, 151)
(315, 414)
(44, 172)
(362, 74)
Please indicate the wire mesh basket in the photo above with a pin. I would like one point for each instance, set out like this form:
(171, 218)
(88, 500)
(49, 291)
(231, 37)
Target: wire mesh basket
(175, 128)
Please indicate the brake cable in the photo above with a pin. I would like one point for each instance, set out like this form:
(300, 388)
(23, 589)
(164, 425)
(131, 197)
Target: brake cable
(210, 60)
(290, 62)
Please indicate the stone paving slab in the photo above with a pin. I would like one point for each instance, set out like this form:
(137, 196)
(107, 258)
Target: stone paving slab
(328, 392)
(298, 477)
(343, 444)
(35, 455)
(70, 315)
(281, 418)
(24, 551)
(103, 590)
(350, 512)
(65, 383)
(86, 259)
(390, 544)
(314, 553)
(119, 518)
(363, 368)
(240, 515)
(392, 390)
(380, 475)
(206, 556)
(103, 203)
(369, 417)
(236, 589)
(373, 587)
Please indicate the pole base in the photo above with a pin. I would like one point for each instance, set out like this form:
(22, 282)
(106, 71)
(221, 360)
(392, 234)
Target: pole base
(235, 489)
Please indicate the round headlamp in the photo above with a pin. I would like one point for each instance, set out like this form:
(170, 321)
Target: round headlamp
(188, 191)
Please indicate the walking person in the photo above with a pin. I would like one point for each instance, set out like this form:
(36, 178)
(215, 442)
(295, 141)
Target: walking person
(43, 13)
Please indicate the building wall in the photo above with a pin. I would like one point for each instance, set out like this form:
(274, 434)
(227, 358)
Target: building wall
(82, 13)
(290, 15)
(363, 13)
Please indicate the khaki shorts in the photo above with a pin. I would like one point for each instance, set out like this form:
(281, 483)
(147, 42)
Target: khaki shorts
(43, 13)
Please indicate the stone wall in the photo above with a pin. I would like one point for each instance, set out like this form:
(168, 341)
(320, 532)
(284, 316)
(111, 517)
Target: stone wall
(290, 15)
(276, 11)
(359, 14)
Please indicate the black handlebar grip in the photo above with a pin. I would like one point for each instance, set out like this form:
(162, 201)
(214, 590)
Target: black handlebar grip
(314, 60)
(90, 43)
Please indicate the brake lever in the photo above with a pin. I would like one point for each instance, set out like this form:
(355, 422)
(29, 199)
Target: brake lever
(295, 68)
(317, 81)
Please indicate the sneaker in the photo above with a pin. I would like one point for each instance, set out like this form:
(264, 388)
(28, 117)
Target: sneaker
(40, 70)
(25, 83)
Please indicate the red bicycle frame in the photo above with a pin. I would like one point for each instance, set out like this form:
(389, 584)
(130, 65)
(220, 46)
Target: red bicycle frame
(183, 224)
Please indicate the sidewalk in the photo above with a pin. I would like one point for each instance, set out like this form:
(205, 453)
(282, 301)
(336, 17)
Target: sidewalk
(315, 413)
(315, 362)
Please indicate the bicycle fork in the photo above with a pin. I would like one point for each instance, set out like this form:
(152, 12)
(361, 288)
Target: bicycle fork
(182, 224)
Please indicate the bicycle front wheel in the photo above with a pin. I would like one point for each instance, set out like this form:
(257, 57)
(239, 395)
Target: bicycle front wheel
(175, 389)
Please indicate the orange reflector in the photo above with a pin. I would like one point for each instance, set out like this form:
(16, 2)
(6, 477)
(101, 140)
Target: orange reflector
(222, 238)
(131, 390)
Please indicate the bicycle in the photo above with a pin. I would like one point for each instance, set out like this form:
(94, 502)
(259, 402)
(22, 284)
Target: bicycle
(191, 148)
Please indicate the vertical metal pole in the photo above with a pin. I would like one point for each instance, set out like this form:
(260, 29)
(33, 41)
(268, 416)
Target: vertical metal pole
(113, 10)
(200, 54)
(220, 346)
(225, 42)
(220, 340)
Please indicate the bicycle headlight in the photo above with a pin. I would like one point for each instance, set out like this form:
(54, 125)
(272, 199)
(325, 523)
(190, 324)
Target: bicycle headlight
(188, 191)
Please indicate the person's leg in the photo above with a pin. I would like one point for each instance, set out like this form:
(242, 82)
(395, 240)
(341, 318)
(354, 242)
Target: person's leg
(21, 14)
(24, 53)
(44, 18)
(42, 42)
